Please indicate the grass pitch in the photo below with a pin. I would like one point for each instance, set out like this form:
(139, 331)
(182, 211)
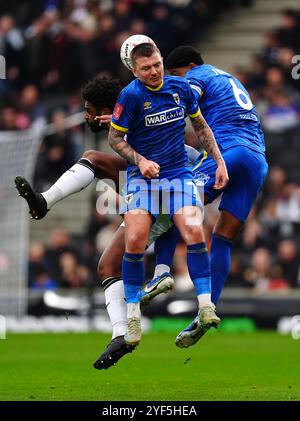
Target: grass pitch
(221, 367)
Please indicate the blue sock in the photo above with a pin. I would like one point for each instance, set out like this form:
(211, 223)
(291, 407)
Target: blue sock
(165, 246)
(199, 267)
(133, 271)
(220, 259)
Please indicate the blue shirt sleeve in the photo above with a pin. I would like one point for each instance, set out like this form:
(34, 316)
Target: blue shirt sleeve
(192, 106)
(123, 114)
(197, 87)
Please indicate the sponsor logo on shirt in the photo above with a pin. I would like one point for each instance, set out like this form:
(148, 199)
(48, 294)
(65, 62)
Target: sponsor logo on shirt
(249, 117)
(147, 105)
(164, 117)
(117, 111)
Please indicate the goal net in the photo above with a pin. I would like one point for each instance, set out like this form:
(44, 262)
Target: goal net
(18, 152)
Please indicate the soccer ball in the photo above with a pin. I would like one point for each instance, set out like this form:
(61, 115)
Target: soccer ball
(129, 44)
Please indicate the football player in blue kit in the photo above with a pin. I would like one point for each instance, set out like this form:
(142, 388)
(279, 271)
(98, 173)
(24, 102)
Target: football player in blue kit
(240, 191)
(228, 224)
(151, 112)
(230, 113)
(100, 96)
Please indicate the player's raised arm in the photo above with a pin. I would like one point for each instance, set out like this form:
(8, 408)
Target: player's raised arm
(149, 169)
(208, 142)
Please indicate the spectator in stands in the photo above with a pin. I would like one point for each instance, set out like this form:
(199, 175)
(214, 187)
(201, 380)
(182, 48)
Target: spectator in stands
(31, 107)
(42, 280)
(39, 278)
(60, 242)
(12, 47)
(270, 50)
(9, 119)
(252, 235)
(275, 81)
(289, 32)
(289, 260)
(236, 276)
(275, 182)
(57, 154)
(281, 113)
(262, 273)
(288, 205)
(72, 273)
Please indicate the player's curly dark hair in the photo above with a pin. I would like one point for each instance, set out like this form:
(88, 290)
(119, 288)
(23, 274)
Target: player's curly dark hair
(101, 92)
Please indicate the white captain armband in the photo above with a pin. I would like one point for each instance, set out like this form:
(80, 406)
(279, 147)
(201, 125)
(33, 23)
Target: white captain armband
(197, 89)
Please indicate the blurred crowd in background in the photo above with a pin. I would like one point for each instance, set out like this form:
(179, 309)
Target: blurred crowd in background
(54, 47)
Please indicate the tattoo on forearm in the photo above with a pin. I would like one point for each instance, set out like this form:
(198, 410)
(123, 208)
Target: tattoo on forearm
(206, 138)
(117, 142)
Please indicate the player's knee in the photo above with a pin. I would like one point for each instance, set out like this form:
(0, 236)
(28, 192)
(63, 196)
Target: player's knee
(91, 155)
(193, 235)
(108, 267)
(135, 242)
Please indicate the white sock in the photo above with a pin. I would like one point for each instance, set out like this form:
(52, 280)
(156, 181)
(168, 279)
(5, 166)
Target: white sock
(72, 181)
(204, 300)
(133, 310)
(160, 269)
(116, 308)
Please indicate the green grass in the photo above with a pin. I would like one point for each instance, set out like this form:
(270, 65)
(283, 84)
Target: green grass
(222, 366)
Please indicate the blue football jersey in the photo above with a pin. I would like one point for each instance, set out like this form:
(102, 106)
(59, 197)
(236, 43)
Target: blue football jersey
(227, 108)
(154, 120)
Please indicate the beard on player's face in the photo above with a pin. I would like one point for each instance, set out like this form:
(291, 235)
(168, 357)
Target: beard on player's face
(91, 113)
(96, 128)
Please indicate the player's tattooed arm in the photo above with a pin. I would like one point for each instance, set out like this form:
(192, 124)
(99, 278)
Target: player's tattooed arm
(206, 138)
(149, 169)
(208, 141)
(117, 142)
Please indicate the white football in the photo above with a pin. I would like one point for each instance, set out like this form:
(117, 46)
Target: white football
(129, 44)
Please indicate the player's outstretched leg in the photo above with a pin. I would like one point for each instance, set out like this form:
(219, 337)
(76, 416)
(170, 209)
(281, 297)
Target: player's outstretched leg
(164, 247)
(158, 285)
(115, 350)
(225, 232)
(205, 319)
(36, 202)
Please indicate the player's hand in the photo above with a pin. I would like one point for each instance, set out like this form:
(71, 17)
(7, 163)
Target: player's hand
(149, 169)
(103, 119)
(221, 177)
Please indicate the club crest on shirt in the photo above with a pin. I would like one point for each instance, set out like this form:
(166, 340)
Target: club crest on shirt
(201, 179)
(147, 105)
(176, 98)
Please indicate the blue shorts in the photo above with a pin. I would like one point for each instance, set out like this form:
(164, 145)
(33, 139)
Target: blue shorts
(165, 195)
(247, 170)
